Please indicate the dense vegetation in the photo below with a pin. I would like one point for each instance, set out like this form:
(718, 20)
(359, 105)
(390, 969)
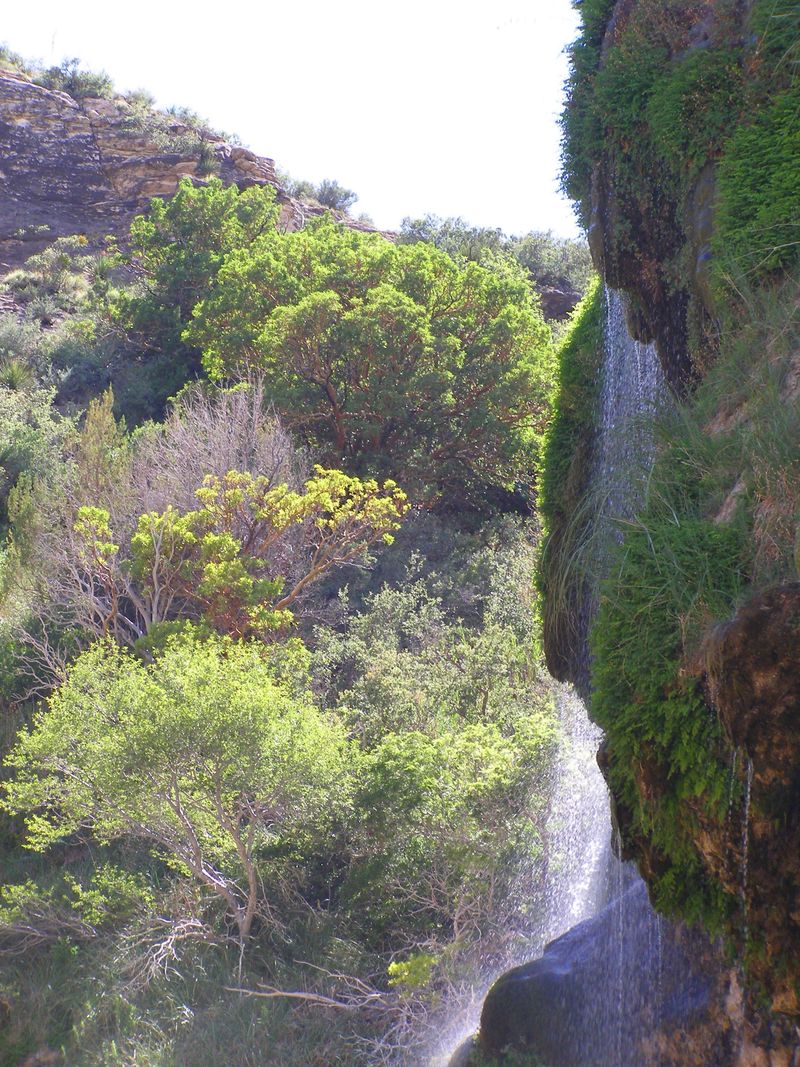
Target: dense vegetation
(683, 122)
(684, 125)
(276, 728)
(560, 262)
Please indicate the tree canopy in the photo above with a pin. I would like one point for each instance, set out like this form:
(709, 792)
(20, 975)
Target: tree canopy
(392, 359)
(205, 755)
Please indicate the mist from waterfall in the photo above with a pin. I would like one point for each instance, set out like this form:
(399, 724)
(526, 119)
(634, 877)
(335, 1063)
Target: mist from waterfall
(582, 875)
(620, 1004)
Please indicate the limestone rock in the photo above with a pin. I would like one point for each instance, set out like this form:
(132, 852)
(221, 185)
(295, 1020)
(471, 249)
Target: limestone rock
(69, 166)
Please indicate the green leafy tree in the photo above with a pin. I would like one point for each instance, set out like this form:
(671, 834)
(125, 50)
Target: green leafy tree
(32, 435)
(451, 818)
(333, 195)
(549, 260)
(394, 360)
(176, 250)
(222, 561)
(205, 756)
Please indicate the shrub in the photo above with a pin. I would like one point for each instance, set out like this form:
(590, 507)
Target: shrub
(333, 195)
(68, 77)
(203, 755)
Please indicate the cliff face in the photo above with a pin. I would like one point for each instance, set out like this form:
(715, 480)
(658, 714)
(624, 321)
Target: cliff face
(696, 669)
(88, 166)
(687, 169)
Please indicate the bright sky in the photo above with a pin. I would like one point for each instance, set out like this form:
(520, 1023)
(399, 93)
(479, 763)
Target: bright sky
(442, 106)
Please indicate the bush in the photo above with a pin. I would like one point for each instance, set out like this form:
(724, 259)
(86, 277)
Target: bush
(333, 195)
(13, 61)
(68, 77)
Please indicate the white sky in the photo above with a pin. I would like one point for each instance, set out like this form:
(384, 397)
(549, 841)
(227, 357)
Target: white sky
(443, 106)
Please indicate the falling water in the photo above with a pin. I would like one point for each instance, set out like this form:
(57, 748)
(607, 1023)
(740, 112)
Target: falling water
(583, 874)
(577, 830)
(576, 883)
(748, 785)
(633, 388)
(731, 784)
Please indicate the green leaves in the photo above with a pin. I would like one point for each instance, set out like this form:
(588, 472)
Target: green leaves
(394, 357)
(204, 754)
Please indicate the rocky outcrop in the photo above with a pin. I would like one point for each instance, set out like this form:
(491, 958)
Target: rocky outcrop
(751, 669)
(88, 166)
(558, 303)
(596, 997)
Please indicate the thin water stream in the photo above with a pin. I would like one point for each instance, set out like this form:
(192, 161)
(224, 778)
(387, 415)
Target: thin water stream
(583, 874)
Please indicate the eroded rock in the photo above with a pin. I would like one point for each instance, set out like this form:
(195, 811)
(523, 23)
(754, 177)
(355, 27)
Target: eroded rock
(69, 166)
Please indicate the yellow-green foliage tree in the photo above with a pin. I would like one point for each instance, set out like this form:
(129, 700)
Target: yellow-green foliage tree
(206, 756)
(218, 562)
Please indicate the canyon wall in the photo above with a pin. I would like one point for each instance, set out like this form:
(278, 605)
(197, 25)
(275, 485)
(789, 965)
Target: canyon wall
(682, 149)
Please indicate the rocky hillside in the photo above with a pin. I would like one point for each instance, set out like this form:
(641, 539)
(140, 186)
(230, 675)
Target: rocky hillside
(88, 166)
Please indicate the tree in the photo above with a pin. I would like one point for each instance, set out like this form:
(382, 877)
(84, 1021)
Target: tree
(452, 818)
(32, 434)
(333, 195)
(176, 250)
(205, 755)
(136, 532)
(222, 561)
(180, 244)
(394, 360)
(563, 262)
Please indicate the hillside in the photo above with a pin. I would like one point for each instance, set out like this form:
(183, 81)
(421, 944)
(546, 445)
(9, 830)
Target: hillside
(268, 630)
(89, 164)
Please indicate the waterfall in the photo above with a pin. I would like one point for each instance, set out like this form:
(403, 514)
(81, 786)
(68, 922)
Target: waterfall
(620, 1000)
(632, 389)
(578, 846)
(624, 1004)
(748, 787)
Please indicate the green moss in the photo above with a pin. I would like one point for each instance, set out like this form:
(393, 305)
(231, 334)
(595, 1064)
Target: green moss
(689, 111)
(656, 110)
(564, 479)
(671, 579)
(720, 522)
(579, 125)
(571, 427)
(758, 221)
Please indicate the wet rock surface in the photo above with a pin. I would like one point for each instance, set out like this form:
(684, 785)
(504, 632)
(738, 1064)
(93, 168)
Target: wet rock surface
(751, 669)
(593, 995)
(629, 989)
